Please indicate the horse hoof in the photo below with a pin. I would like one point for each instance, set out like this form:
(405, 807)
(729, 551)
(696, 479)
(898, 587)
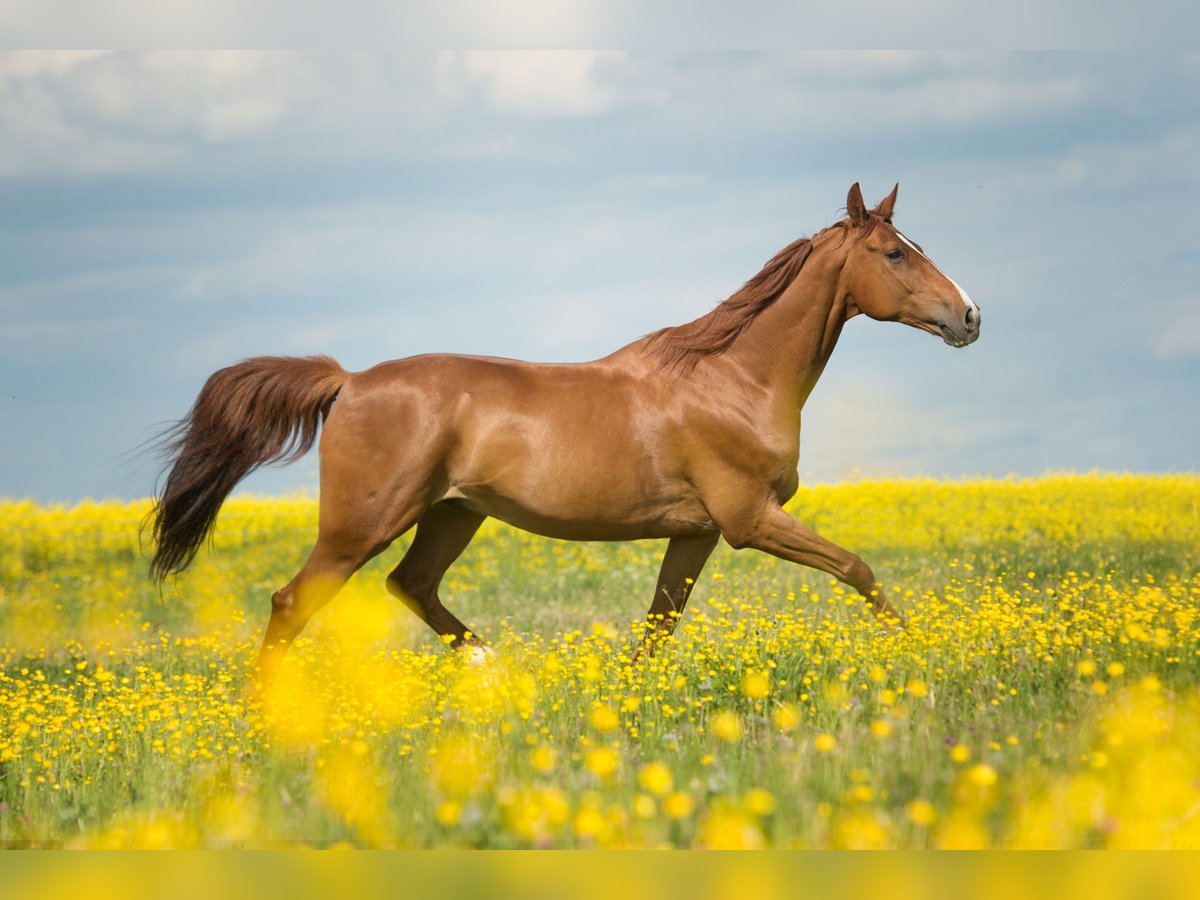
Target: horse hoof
(478, 655)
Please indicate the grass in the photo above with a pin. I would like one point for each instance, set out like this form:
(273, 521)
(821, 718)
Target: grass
(1043, 695)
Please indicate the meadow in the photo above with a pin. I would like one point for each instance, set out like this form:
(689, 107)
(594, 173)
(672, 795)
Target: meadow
(1043, 695)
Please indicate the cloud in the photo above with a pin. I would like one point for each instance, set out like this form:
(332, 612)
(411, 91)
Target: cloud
(94, 113)
(213, 96)
(537, 84)
(25, 64)
(1170, 156)
(1181, 337)
(88, 113)
(704, 24)
(528, 24)
(915, 90)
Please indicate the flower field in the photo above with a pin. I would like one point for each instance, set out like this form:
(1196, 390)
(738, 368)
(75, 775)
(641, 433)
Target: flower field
(1043, 695)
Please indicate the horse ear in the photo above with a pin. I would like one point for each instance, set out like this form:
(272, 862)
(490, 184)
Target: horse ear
(855, 208)
(887, 204)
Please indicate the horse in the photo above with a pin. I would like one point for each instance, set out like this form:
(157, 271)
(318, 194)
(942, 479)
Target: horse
(690, 433)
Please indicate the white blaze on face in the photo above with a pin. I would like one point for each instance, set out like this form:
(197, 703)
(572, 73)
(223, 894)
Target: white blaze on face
(966, 299)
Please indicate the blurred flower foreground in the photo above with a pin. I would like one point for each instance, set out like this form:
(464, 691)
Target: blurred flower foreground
(1044, 694)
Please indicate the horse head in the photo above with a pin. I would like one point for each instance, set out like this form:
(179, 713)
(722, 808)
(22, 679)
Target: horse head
(888, 277)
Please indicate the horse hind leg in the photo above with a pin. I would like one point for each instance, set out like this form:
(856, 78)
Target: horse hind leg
(443, 532)
(328, 568)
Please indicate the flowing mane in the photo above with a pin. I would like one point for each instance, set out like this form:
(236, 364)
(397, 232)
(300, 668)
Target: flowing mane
(680, 347)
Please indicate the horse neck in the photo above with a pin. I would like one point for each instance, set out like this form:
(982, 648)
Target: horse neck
(786, 348)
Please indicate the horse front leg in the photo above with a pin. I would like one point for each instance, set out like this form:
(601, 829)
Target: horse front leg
(773, 531)
(681, 566)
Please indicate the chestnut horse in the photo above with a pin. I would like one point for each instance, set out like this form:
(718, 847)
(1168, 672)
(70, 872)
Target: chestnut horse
(690, 433)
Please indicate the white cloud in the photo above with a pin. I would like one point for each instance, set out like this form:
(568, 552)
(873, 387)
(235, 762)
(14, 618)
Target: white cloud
(521, 23)
(104, 112)
(216, 96)
(543, 83)
(24, 64)
(1182, 336)
(95, 113)
(108, 112)
(1169, 156)
(872, 94)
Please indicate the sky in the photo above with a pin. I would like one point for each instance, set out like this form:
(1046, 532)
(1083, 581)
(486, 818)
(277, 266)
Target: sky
(166, 214)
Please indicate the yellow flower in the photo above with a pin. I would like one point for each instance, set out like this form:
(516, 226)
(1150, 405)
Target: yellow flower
(729, 829)
(678, 805)
(881, 728)
(961, 831)
(825, 743)
(982, 775)
(590, 823)
(449, 812)
(602, 761)
(921, 812)
(756, 685)
(727, 725)
(644, 806)
(543, 759)
(655, 778)
(785, 717)
(861, 793)
(603, 718)
(960, 753)
(759, 802)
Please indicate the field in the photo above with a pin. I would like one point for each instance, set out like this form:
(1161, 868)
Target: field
(1043, 695)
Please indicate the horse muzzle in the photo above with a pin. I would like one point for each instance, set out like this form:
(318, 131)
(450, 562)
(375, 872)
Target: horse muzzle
(961, 334)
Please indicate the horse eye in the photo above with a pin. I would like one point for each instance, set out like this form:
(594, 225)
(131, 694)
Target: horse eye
(895, 255)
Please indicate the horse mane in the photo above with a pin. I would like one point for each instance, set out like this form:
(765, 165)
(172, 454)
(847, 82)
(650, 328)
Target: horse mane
(681, 347)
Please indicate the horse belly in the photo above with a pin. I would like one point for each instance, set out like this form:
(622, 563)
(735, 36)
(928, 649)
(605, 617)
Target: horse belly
(581, 523)
(587, 505)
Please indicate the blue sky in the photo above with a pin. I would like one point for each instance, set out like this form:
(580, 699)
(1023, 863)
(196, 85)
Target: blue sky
(166, 214)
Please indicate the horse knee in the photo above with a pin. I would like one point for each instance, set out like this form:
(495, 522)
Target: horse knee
(282, 600)
(287, 617)
(288, 611)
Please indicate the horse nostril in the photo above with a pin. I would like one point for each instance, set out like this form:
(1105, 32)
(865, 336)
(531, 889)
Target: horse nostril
(972, 317)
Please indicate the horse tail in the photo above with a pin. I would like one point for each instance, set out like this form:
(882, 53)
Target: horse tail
(260, 411)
